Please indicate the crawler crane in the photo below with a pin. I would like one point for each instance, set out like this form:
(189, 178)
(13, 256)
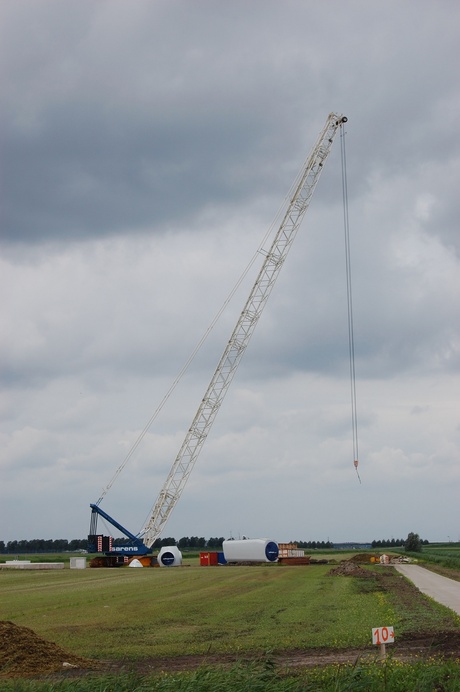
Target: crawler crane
(141, 544)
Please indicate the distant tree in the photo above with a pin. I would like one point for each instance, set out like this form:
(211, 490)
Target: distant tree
(2, 546)
(314, 545)
(78, 544)
(388, 543)
(215, 542)
(119, 541)
(168, 541)
(413, 544)
(197, 542)
(60, 545)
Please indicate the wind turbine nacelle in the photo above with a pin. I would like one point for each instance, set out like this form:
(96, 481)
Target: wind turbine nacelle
(169, 556)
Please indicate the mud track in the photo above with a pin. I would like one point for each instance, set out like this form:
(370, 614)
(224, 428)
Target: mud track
(443, 645)
(38, 659)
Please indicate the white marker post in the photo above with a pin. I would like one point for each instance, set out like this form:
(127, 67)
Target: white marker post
(383, 636)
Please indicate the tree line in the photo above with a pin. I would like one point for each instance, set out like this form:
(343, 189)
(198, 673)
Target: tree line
(62, 545)
(412, 543)
(388, 543)
(41, 545)
(315, 545)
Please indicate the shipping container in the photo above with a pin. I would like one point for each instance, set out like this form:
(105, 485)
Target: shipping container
(209, 558)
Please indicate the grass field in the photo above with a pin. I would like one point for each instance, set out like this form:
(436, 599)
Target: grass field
(136, 613)
(443, 558)
(133, 615)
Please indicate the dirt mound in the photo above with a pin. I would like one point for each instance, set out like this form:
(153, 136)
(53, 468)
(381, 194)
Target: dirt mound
(348, 568)
(24, 653)
(365, 558)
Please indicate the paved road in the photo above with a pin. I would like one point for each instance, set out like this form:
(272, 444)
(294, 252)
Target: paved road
(440, 589)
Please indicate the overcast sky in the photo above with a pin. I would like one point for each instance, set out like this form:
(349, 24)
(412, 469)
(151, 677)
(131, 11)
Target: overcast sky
(146, 148)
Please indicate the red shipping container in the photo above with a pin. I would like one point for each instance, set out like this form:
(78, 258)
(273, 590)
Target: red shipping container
(207, 559)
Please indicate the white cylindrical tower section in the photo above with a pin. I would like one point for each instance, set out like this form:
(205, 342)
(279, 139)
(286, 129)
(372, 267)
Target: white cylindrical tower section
(251, 550)
(169, 556)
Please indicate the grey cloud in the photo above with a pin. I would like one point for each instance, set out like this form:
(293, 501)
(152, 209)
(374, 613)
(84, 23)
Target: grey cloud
(134, 120)
(145, 149)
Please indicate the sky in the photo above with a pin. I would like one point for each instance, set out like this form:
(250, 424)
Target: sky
(146, 148)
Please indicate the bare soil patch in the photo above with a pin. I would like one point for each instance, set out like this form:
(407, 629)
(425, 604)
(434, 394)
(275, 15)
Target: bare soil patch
(23, 653)
(348, 568)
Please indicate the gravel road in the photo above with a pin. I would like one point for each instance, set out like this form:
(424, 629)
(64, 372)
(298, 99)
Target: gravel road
(440, 589)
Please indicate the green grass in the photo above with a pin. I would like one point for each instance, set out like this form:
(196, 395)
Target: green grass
(131, 615)
(444, 559)
(139, 613)
(390, 676)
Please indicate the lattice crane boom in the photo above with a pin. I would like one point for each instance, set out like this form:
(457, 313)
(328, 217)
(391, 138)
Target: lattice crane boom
(247, 321)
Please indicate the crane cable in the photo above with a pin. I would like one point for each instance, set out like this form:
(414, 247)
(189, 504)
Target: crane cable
(219, 313)
(351, 342)
(198, 346)
(171, 389)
